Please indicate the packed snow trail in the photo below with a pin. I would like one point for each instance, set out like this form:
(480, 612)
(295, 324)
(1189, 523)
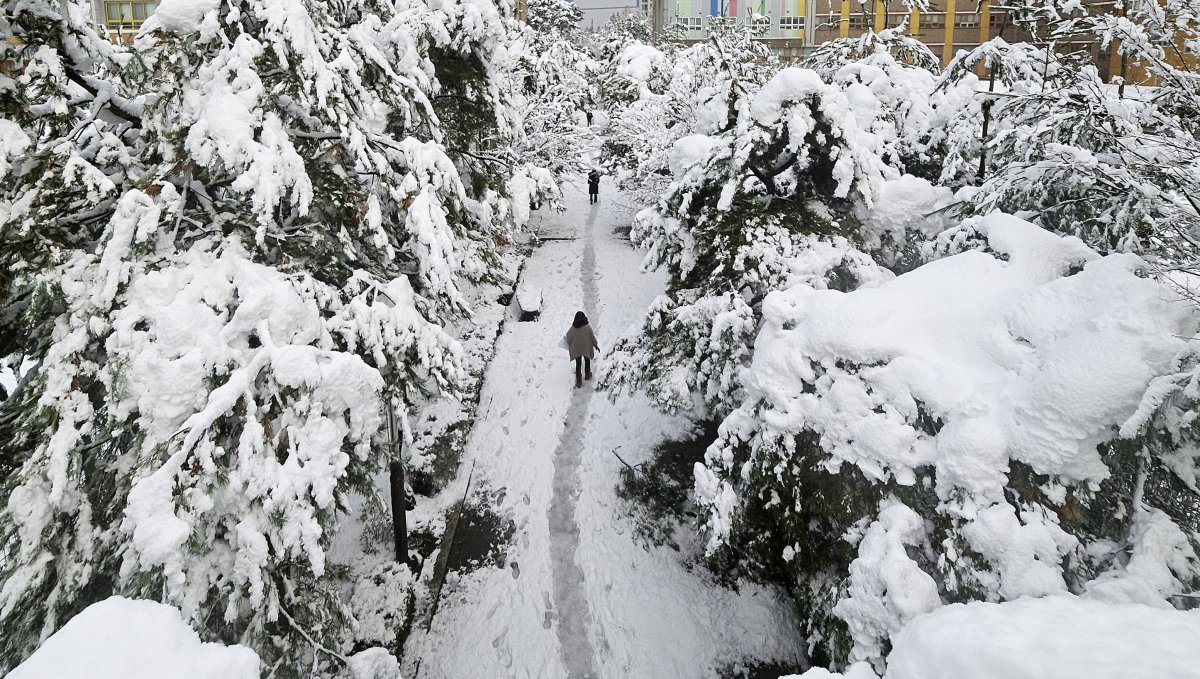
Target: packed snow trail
(564, 530)
(577, 593)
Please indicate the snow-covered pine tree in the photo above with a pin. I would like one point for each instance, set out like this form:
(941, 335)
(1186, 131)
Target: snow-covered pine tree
(65, 130)
(1111, 164)
(900, 73)
(553, 20)
(763, 195)
(554, 73)
(271, 255)
(620, 30)
(641, 132)
(952, 141)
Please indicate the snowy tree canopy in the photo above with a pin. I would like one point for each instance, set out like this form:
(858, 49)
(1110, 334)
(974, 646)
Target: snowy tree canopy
(230, 249)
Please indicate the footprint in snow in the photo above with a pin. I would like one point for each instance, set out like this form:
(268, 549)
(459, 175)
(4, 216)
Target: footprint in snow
(516, 570)
(503, 652)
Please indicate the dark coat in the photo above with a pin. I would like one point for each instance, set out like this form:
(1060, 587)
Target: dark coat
(593, 182)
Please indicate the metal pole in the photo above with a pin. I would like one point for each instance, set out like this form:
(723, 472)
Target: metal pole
(399, 518)
(654, 27)
(987, 119)
(396, 486)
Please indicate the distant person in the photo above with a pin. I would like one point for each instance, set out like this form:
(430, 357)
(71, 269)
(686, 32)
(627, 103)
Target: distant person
(581, 343)
(588, 113)
(594, 186)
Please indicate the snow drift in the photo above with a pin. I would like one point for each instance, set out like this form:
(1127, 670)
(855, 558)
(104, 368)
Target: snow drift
(121, 638)
(1058, 637)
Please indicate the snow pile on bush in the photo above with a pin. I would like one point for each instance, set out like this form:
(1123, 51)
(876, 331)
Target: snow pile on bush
(122, 638)
(635, 72)
(969, 411)
(639, 62)
(383, 601)
(1020, 360)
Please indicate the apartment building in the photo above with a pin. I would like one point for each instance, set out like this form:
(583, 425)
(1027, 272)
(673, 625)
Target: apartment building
(795, 27)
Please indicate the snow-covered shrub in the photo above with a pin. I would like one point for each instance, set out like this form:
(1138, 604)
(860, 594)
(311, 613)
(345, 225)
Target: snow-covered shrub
(553, 19)
(979, 428)
(619, 31)
(636, 72)
(382, 602)
(765, 197)
(897, 102)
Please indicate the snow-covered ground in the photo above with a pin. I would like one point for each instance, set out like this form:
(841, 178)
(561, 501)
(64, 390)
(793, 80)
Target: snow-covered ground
(577, 594)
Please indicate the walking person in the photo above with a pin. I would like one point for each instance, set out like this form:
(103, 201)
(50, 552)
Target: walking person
(588, 114)
(594, 186)
(581, 343)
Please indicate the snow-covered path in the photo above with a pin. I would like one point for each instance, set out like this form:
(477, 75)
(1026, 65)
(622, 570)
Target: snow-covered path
(577, 652)
(578, 594)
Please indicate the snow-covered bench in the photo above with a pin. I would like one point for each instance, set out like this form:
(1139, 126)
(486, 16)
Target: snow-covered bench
(529, 298)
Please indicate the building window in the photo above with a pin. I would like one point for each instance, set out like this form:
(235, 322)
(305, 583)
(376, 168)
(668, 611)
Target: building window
(791, 23)
(127, 14)
(690, 23)
(966, 20)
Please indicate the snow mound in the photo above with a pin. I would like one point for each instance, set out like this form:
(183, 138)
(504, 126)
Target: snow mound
(181, 16)
(859, 670)
(1029, 354)
(638, 62)
(1060, 637)
(121, 638)
(373, 663)
(910, 203)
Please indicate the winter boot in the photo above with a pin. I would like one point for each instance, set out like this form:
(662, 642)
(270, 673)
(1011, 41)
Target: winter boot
(587, 375)
(578, 381)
